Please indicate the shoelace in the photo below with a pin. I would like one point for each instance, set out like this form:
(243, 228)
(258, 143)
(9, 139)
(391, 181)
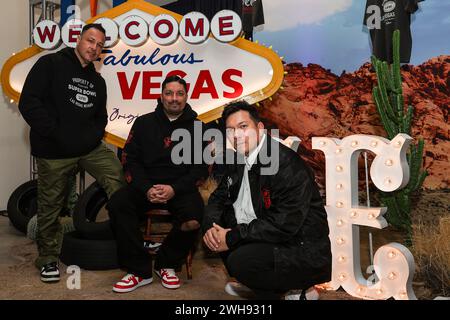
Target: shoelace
(50, 268)
(168, 273)
(129, 277)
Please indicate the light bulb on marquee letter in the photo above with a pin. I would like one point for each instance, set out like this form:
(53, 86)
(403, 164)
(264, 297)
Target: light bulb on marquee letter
(71, 31)
(393, 263)
(226, 26)
(47, 34)
(111, 29)
(194, 28)
(164, 29)
(133, 31)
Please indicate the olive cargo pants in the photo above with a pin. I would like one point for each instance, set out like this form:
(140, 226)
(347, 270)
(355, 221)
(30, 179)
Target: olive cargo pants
(53, 178)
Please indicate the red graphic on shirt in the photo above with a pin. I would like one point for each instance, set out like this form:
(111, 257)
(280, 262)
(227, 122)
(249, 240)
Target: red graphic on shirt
(167, 142)
(266, 196)
(128, 177)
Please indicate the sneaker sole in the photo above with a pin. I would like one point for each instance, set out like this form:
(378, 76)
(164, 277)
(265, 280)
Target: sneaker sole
(311, 295)
(47, 280)
(170, 286)
(125, 290)
(242, 292)
(165, 285)
(229, 289)
(52, 279)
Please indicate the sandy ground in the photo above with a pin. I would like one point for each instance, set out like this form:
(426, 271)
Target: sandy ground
(19, 279)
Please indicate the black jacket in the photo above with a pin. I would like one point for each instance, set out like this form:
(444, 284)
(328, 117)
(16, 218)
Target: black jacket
(289, 211)
(65, 106)
(146, 157)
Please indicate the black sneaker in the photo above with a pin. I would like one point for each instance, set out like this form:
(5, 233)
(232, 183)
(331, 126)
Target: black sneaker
(50, 272)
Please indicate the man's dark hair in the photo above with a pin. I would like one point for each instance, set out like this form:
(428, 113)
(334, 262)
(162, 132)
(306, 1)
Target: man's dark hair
(174, 79)
(97, 26)
(240, 106)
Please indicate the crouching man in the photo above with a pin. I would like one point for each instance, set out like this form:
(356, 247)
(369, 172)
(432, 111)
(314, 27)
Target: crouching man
(269, 225)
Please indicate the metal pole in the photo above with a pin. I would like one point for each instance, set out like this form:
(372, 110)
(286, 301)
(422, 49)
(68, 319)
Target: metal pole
(368, 205)
(31, 21)
(44, 9)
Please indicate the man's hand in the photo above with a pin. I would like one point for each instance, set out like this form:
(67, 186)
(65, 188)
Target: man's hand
(215, 238)
(160, 193)
(211, 239)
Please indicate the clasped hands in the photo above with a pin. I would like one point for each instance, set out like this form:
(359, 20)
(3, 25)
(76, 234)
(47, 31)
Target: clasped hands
(215, 238)
(160, 193)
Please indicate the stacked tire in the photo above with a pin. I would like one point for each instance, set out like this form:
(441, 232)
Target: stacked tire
(92, 245)
(22, 205)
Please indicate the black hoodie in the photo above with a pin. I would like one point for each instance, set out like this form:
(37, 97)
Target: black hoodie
(65, 106)
(147, 158)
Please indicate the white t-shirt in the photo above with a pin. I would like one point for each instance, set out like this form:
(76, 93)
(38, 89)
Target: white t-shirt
(243, 207)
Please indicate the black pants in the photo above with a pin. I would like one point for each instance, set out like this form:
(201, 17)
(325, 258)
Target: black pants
(127, 209)
(253, 265)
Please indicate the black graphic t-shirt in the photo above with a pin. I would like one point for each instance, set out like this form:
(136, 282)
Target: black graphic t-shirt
(252, 16)
(382, 18)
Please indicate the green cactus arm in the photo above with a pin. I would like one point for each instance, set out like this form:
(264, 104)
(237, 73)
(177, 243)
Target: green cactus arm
(419, 155)
(387, 76)
(396, 62)
(403, 199)
(383, 93)
(421, 179)
(393, 212)
(422, 173)
(374, 60)
(400, 104)
(406, 121)
(413, 168)
(384, 119)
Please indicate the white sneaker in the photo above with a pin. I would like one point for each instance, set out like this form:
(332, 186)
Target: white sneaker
(237, 289)
(310, 294)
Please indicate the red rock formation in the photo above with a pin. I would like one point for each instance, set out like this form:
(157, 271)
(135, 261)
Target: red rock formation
(316, 102)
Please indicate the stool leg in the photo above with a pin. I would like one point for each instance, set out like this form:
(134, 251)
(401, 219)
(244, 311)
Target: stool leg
(148, 227)
(189, 265)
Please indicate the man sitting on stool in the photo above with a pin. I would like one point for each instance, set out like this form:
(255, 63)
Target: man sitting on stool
(155, 181)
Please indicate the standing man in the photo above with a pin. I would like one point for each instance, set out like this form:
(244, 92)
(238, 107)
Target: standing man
(269, 225)
(156, 181)
(64, 102)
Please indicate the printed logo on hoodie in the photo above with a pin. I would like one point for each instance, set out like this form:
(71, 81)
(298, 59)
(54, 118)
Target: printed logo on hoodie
(82, 91)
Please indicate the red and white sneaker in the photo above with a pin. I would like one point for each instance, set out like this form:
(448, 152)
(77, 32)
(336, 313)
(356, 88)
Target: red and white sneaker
(130, 282)
(169, 278)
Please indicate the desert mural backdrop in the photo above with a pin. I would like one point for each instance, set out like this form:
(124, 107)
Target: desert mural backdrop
(328, 87)
(315, 102)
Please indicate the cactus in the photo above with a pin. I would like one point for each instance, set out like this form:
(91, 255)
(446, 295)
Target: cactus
(388, 96)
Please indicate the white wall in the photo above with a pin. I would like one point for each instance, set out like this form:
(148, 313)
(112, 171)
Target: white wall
(14, 146)
(14, 143)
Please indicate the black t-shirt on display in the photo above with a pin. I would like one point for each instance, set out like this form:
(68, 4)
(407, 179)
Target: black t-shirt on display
(391, 15)
(252, 14)
(251, 11)
(208, 7)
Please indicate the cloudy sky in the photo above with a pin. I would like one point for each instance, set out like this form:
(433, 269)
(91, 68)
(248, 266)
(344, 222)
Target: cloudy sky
(330, 32)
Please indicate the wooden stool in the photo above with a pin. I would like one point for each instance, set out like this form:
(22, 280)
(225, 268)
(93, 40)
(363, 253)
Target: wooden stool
(159, 236)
